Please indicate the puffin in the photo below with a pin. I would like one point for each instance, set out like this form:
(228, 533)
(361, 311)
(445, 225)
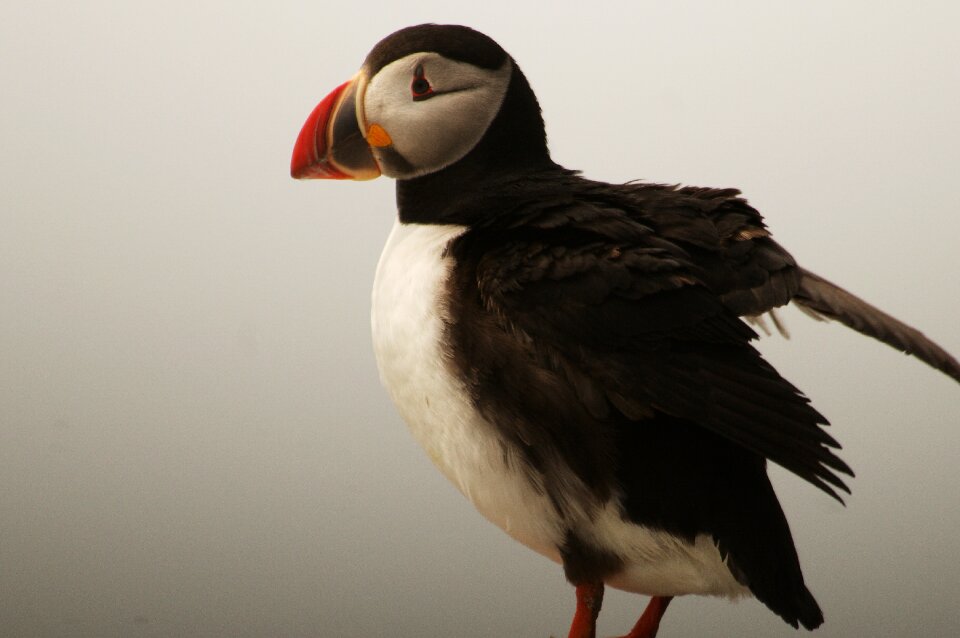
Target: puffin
(575, 356)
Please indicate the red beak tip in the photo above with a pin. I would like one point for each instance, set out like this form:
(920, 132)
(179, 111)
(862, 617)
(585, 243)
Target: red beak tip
(309, 159)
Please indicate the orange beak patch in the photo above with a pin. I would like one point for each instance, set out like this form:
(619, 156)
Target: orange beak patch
(377, 136)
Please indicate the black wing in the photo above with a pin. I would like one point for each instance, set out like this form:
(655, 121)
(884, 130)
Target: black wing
(628, 300)
(631, 328)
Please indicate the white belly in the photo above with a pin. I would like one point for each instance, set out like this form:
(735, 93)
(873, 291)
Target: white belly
(408, 328)
(407, 337)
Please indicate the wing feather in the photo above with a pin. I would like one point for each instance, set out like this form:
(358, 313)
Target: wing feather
(826, 299)
(635, 324)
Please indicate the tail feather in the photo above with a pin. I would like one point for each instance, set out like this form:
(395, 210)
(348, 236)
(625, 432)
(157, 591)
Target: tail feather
(825, 299)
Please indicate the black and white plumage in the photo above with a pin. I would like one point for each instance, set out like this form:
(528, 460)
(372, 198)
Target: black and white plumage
(571, 353)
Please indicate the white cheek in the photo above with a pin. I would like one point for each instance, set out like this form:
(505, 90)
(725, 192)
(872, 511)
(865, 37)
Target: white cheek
(385, 102)
(447, 129)
(434, 133)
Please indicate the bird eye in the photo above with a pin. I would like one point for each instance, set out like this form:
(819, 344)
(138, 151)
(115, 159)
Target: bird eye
(420, 88)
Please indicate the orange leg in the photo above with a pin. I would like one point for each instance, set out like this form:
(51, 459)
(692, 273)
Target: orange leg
(649, 622)
(589, 600)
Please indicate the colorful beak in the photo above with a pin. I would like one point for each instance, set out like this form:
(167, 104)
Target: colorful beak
(330, 144)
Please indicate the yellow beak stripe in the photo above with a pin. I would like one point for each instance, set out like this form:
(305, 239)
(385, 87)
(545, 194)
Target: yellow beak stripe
(378, 137)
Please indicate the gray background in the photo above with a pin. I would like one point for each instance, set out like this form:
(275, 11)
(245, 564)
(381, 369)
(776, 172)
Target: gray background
(193, 440)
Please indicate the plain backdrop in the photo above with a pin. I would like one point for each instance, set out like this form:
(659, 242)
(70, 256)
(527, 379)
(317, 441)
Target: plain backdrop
(193, 438)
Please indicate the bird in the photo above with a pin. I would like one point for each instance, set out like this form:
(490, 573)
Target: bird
(575, 356)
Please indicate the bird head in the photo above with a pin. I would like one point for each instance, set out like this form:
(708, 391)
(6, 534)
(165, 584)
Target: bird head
(427, 98)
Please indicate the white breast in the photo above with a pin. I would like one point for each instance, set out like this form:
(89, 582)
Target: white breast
(408, 323)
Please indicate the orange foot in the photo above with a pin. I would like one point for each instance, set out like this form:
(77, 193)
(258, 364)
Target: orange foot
(589, 601)
(649, 622)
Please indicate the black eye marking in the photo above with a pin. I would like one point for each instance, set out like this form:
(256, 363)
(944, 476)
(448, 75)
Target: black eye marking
(420, 88)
